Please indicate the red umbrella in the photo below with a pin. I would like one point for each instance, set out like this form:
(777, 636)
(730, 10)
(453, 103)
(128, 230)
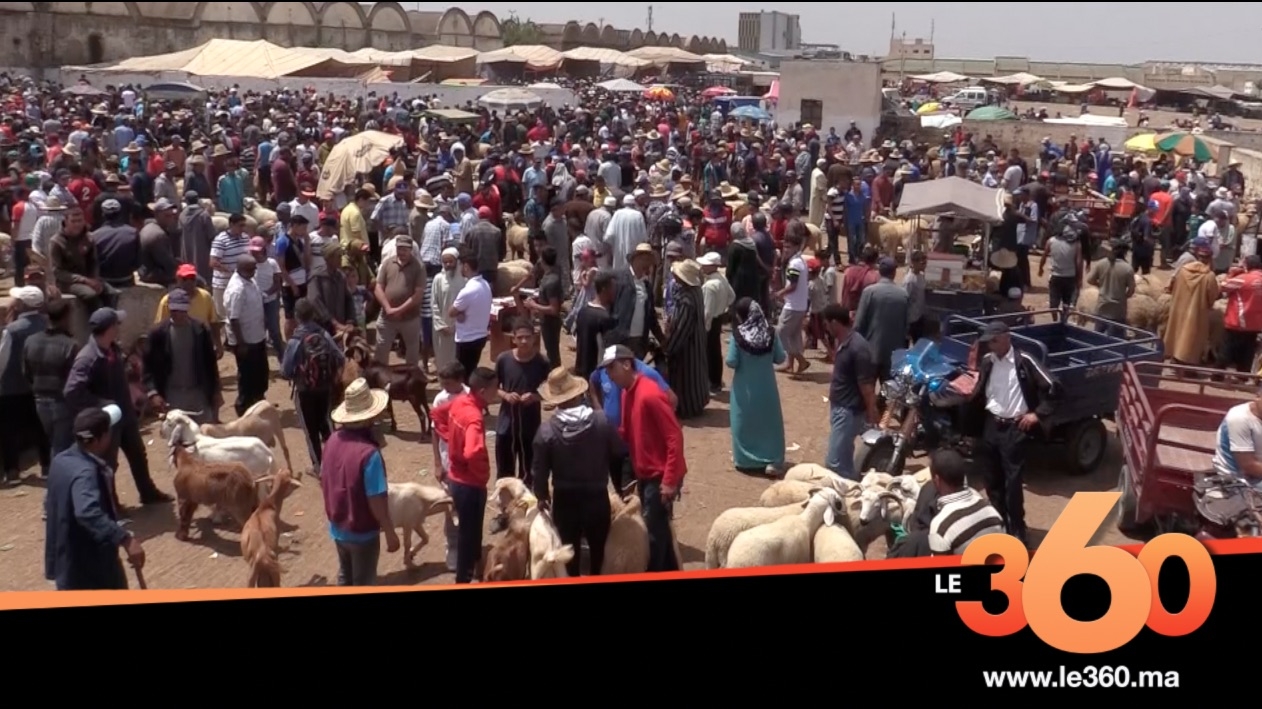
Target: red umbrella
(716, 91)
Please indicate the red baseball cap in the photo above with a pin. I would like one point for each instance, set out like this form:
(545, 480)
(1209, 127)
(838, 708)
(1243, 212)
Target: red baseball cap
(186, 270)
(484, 213)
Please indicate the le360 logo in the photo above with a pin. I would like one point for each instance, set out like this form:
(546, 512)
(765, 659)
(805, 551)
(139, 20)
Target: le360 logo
(1134, 601)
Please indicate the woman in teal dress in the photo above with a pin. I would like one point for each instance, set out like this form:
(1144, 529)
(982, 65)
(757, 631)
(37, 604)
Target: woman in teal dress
(757, 420)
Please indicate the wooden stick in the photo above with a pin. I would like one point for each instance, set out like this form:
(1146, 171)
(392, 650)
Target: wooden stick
(140, 578)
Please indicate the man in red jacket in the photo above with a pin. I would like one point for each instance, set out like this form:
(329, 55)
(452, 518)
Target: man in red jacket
(459, 423)
(656, 443)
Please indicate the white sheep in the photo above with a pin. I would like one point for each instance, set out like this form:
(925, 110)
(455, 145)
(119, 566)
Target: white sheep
(732, 522)
(786, 540)
(874, 479)
(809, 473)
(883, 508)
(627, 547)
(834, 544)
(787, 492)
(180, 430)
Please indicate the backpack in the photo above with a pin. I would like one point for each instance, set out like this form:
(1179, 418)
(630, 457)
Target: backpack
(316, 368)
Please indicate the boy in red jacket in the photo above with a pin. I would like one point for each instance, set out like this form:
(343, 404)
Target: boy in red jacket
(459, 423)
(656, 443)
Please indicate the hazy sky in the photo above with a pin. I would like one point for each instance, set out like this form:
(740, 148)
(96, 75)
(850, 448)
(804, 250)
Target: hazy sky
(1223, 32)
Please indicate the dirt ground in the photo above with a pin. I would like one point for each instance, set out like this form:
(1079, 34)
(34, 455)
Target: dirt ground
(212, 556)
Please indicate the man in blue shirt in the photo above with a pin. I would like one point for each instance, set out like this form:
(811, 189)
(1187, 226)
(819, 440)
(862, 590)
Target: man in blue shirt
(608, 395)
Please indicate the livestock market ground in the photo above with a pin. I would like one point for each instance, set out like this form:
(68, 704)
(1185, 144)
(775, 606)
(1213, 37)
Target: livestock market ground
(212, 556)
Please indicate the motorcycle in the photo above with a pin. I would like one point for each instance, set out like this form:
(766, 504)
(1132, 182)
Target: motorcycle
(1229, 508)
(922, 408)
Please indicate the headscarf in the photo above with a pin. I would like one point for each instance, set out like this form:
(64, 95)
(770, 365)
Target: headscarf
(559, 175)
(755, 335)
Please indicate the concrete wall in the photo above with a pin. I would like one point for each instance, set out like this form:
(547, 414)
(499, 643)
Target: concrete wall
(38, 35)
(850, 91)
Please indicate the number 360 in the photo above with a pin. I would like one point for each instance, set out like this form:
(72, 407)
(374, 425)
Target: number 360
(1134, 601)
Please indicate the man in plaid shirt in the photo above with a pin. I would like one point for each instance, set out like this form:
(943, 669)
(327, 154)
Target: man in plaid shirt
(395, 210)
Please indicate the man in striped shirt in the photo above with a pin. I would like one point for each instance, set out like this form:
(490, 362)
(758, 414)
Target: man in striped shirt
(225, 251)
(949, 514)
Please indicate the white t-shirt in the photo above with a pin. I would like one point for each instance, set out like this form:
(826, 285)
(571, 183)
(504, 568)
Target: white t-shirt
(474, 300)
(799, 299)
(264, 274)
(1239, 433)
(443, 397)
(1209, 230)
(129, 99)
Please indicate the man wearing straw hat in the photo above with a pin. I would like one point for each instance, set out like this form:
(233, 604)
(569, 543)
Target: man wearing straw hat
(353, 480)
(82, 531)
(574, 450)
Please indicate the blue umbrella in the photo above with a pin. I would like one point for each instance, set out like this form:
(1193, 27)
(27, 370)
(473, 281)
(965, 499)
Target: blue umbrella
(750, 113)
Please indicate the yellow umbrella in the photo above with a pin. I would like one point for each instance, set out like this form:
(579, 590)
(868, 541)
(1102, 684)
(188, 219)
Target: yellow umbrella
(928, 108)
(360, 153)
(1143, 143)
(659, 93)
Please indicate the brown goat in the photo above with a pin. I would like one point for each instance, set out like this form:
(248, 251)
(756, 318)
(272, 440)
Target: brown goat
(509, 557)
(260, 536)
(401, 382)
(227, 487)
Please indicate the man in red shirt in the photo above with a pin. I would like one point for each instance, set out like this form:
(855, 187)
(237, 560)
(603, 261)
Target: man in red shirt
(1243, 320)
(883, 191)
(84, 188)
(1161, 220)
(656, 444)
(459, 423)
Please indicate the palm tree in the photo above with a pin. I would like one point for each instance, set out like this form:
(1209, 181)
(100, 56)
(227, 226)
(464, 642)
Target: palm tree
(515, 30)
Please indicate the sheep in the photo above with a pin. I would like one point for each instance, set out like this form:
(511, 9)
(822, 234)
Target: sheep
(627, 546)
(220, 219)
(260, 537)
(410, 505)
(257, 212)
(179, 430)
(891, 234)
(730, 523)
(509, 274)
(509, 558)
(883, 508)
(784, 492)
(517, 236)
(261, 421)
(874, 479)
(833, 544)
(227, 487)
(809, 473)
(548, 556)
(788, 539)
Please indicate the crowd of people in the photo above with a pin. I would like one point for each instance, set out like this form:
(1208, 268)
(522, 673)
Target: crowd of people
(661, 224)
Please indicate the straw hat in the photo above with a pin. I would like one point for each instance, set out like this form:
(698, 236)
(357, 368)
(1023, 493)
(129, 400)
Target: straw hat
(425, 201)
(133, 148)
(1003, 259)
(658, 191)
(100, 109)
(653, 135)
(562, 387)
(525, 150)
(642, 250)
(221, 151)
(52, 204)
(680, 192)
(727, 191)
(71, 150)
(361, 404)
(687, 271)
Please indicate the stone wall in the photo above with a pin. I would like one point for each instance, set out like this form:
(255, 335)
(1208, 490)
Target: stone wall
(139, 302)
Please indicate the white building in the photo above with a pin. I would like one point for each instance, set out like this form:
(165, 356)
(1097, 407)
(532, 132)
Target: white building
(769, 32)
(830, 94)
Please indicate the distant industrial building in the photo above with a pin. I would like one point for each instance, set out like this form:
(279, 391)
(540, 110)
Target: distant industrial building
(903, 48)
(760, 32)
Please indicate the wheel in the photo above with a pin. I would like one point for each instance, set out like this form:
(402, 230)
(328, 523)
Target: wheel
(1128, 505)
(879, 457)
(1088, 441)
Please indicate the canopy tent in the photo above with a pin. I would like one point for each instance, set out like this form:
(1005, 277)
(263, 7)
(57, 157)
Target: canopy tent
(359, 153)
(939, 121)
(545, 85)
(173, 91)
(991, 113)
(434, 63)
(724, 63)
(1116, 83)
(1018, 79)
(611, 57)
(511, 100)
(452, 115)
(665, 56)
(85, 90)
(621, 86)
(1067, 88)
(258, 59)
(536, 57)
(1089, 119)
(940, 77)
(953, 196)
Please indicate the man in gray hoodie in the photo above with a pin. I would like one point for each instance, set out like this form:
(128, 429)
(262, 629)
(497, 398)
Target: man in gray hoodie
(197, 230)
(576, 449)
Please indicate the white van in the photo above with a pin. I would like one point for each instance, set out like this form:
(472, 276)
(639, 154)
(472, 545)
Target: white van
(970, 98)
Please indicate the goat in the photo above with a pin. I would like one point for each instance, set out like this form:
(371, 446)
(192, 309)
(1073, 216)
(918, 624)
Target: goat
(261, 421)
(226, 487)
(516, 236)
(627, 546)
(548, 556)
(509, 558)
(401, 382)
(410, 504)
(180, 430)
(260, 537)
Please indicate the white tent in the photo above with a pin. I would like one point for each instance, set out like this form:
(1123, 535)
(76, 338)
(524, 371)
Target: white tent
(940, 77)
(621, 86)
(1018, 79)
(533, 55)
(611, 57)
(1116, 83)
(511, 100)
(258, 59)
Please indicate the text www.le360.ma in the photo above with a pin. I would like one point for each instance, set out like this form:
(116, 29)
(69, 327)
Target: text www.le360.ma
(1088, 677)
